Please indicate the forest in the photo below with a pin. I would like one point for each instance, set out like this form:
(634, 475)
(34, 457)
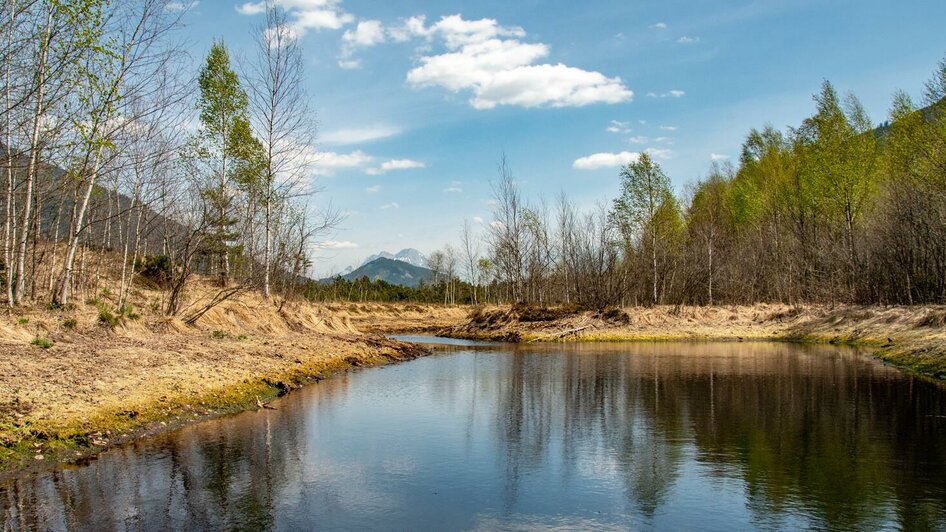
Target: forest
(119, 164)
(835, 210)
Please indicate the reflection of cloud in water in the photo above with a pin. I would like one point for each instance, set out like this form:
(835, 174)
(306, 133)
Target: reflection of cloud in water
(530, 522)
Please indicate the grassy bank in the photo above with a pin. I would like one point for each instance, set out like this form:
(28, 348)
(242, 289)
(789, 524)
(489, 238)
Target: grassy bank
(913, 338)
(73, 382)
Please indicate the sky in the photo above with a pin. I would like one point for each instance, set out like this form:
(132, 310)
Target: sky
(416, 101)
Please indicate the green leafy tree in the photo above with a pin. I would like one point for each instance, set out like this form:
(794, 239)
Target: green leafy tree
(840, 159)
(228, 147)
(644, 189)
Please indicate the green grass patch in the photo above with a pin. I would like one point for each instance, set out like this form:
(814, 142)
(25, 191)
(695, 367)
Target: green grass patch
(42, 343)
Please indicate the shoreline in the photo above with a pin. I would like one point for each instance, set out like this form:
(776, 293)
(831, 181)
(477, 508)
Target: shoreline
(169, 414)
(911, 339)
(157, 379)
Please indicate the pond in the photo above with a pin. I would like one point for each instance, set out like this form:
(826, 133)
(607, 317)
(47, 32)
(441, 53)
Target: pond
(715, 436)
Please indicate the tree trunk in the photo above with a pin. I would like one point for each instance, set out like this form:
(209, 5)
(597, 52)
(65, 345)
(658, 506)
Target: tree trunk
(62, 293)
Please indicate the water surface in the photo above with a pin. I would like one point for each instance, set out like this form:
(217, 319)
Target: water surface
(591, 436)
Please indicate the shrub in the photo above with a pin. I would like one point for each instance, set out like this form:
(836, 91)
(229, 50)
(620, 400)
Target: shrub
(43, 343)
(70, 323)
(156, 269)
(23, 321)
(108, 319)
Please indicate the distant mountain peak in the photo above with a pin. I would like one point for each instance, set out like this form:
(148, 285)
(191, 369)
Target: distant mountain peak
(408, 255)
(394, 271)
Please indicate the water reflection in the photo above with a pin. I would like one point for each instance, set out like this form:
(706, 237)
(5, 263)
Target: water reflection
(588, 436)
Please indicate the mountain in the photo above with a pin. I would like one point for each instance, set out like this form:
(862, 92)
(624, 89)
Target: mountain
(397, 272)
(408, 255)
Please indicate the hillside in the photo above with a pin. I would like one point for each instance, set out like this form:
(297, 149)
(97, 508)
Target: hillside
(392, 271)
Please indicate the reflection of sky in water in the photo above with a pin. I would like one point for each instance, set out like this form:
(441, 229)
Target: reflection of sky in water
(714, 436)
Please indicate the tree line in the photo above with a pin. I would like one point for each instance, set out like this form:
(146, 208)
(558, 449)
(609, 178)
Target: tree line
(112, 142)
(834, 210)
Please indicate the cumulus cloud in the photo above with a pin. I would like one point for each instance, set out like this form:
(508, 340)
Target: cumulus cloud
(616, 126)
(395, 164)
(359, 135)
(305, 15)
(498, 68)
(335, 244)
(366, 34)
(669, 94)
(176, 7)
(605, 160)
(660, 26)
(659, 153)
(327, 163)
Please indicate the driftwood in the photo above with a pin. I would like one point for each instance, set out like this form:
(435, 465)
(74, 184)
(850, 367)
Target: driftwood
(263, 406)
(563, 334)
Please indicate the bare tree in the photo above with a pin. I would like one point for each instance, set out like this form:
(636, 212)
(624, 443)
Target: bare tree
(282, 118)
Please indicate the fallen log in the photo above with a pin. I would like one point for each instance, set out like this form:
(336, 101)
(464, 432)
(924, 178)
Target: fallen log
(566, 333)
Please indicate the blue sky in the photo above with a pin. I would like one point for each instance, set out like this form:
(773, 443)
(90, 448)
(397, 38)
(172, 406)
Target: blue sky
(417, 100)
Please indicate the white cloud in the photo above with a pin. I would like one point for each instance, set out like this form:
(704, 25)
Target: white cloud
(663, 140)
(669, 94)
(605, 160)
(688, 40)
(327, 163)
(616, 126)
(335, 244)
(409, 28)
(366, 34)
(395, 164)
(453, 190)
(176, 7)
(359, 135)
(639, 139)
(392, 205)
(659, 153)
(305, 14)
(490, 61)
(668, 128)
(373, 190)
(478, 220)
(251, 8)
(716, 157)
(659, 26)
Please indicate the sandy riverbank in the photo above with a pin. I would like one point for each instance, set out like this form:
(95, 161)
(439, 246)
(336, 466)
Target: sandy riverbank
(910, 337)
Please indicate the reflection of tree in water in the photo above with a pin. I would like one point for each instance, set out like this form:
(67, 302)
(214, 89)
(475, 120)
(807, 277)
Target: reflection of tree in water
(219, 476)
(822, 432)
(596, 406)
(523, 419)
(846, 442)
